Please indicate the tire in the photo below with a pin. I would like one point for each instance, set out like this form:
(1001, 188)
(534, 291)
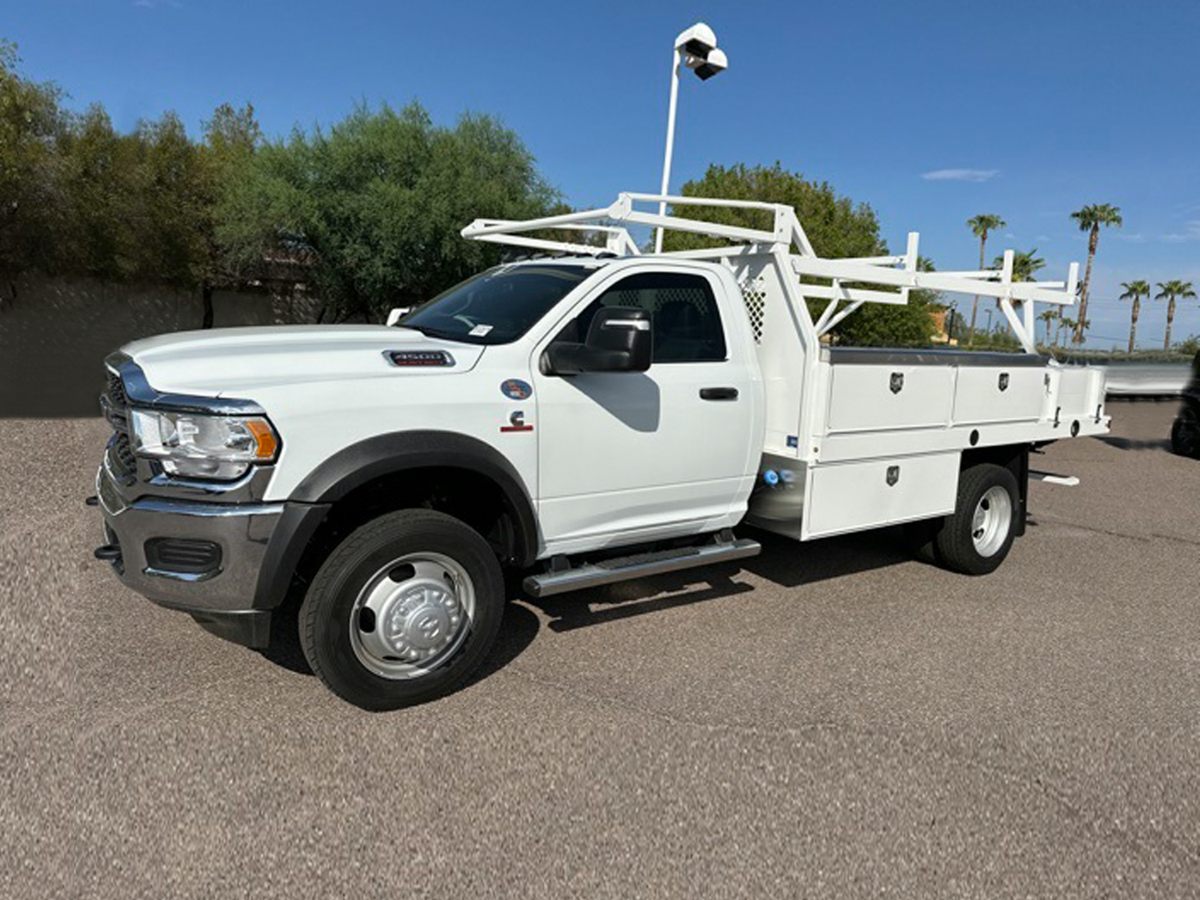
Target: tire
(403, 611)
(1185, 433)
(966, 545)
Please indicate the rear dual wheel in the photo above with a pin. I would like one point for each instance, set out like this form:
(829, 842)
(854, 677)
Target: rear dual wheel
(979, 534)
(403, 611)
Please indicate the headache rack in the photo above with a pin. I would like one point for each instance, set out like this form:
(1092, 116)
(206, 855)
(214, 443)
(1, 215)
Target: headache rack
(845, 283)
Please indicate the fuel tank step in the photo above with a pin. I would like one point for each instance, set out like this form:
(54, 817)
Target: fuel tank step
(638, 565)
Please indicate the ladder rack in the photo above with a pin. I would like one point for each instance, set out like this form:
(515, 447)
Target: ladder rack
(789, 243)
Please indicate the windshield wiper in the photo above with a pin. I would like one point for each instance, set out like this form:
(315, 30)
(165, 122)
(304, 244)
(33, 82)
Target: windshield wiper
(436, 333)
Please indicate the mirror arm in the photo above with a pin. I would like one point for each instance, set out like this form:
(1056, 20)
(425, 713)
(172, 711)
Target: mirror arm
(554, 362)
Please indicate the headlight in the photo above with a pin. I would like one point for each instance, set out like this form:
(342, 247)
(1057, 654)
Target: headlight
(195, 445)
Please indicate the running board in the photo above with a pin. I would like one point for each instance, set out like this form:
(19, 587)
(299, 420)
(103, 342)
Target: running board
(639, 565)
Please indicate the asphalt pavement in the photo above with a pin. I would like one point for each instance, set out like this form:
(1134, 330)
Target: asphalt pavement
(830, 719)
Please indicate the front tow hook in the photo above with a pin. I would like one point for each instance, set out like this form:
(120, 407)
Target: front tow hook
(91, 501)
(108, 553)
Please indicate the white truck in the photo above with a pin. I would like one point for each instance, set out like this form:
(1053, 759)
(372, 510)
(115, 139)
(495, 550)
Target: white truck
(591, 417)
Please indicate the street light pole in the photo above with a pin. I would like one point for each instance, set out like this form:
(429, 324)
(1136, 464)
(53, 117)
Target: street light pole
(695, 48)
(676, 62)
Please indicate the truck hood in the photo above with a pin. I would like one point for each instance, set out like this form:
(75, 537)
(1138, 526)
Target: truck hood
(232, 362)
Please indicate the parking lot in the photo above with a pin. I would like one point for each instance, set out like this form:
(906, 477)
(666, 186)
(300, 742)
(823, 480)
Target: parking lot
(828, 719)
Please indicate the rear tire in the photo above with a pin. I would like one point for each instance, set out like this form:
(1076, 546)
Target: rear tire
(976, 538)
(403, 611)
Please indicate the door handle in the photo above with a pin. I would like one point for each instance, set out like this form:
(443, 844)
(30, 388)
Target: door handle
(719, 393)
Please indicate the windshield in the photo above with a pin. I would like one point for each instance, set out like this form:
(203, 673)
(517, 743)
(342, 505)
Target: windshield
(496, 306)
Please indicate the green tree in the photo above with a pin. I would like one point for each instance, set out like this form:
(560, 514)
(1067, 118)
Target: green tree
(31, 203)
(169, 204)
(1069, 324)
(887, 325)
(981, 225)
(231, 138)
(1048, 316)
(836, 227)
(1173, 291)
(1135, 291)
(1089, 219)
(101, 185)
(377, 201)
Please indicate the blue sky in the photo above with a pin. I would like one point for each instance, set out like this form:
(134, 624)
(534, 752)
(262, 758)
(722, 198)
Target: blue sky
(1043, 106)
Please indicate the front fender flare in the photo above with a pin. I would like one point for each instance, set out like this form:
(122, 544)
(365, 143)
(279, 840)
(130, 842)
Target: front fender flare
(375, 457)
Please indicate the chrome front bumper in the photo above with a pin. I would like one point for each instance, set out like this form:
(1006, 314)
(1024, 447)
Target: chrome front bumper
(222, 599)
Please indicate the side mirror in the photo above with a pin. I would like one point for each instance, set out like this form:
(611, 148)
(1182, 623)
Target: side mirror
(618, 340)
(396, 313)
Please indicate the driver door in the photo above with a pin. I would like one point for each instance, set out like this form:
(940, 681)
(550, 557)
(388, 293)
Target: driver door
(626, 456)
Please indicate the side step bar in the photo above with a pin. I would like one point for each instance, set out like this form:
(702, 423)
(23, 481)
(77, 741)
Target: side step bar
(639, 565)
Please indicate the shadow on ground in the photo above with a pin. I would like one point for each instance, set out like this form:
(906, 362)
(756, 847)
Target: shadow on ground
(782, 561)
(1124, 443)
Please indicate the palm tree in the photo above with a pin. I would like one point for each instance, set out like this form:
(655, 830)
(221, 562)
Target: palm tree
(1090, 218)
(1025, 264)
(1135, 291)
(1048, 316)
(1173, 290)
(1069, 324)
(980, 225)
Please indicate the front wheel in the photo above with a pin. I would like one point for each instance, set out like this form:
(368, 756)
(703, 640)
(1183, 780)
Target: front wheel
(976, 538)
(404, 610)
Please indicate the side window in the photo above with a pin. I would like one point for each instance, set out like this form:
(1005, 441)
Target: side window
(687, 326)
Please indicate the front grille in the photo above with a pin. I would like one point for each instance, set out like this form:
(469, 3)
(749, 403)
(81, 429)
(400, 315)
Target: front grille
(115, 403)
(116, 391)
(120, 457)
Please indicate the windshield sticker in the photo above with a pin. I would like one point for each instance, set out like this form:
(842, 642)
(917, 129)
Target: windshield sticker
(479, 330)
(516, 389)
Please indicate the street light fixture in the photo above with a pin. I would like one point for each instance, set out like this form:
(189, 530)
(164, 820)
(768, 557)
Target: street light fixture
(697, 49)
